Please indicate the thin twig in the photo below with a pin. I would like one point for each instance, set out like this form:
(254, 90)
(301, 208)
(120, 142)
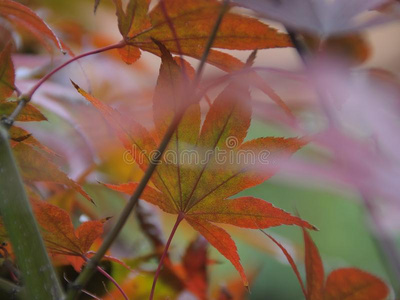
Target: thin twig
(45, 78)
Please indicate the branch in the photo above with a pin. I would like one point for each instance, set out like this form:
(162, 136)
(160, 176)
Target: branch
(38, 274)
(90, 267)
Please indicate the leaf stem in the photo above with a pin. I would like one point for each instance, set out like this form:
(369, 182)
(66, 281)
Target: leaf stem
(25, 98)
(39, 277)
(179, 219)
(109, 277)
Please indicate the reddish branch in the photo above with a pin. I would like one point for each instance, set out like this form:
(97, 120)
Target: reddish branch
(25, 98)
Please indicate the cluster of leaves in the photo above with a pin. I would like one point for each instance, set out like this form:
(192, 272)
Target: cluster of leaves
(199, 193)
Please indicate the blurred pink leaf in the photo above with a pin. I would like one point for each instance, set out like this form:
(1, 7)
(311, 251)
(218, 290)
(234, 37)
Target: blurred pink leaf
(321, 17)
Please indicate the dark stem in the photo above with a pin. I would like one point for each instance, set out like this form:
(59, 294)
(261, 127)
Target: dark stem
(181, 216)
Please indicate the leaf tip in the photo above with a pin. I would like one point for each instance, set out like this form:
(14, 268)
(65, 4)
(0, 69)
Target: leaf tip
(75, 85)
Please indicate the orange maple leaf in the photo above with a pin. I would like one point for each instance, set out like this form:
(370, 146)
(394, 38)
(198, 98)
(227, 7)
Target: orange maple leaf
(184, 27)
(59, 234)
(199, 192)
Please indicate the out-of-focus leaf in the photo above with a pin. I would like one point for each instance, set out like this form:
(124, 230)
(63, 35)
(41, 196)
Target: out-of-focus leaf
(354, 284)
(23, 16)
(36, 167)
(323, 17)
(28, 114)
(353, 48)
(195, 261)
(18, 135)
(7, 74)
(150, 226)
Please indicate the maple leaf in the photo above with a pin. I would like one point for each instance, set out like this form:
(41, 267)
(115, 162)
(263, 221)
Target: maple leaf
(36, 167)
(344, 283)
(199, 192)
(7, 74)
(23, 16)
(184, 26)
(59, 234)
